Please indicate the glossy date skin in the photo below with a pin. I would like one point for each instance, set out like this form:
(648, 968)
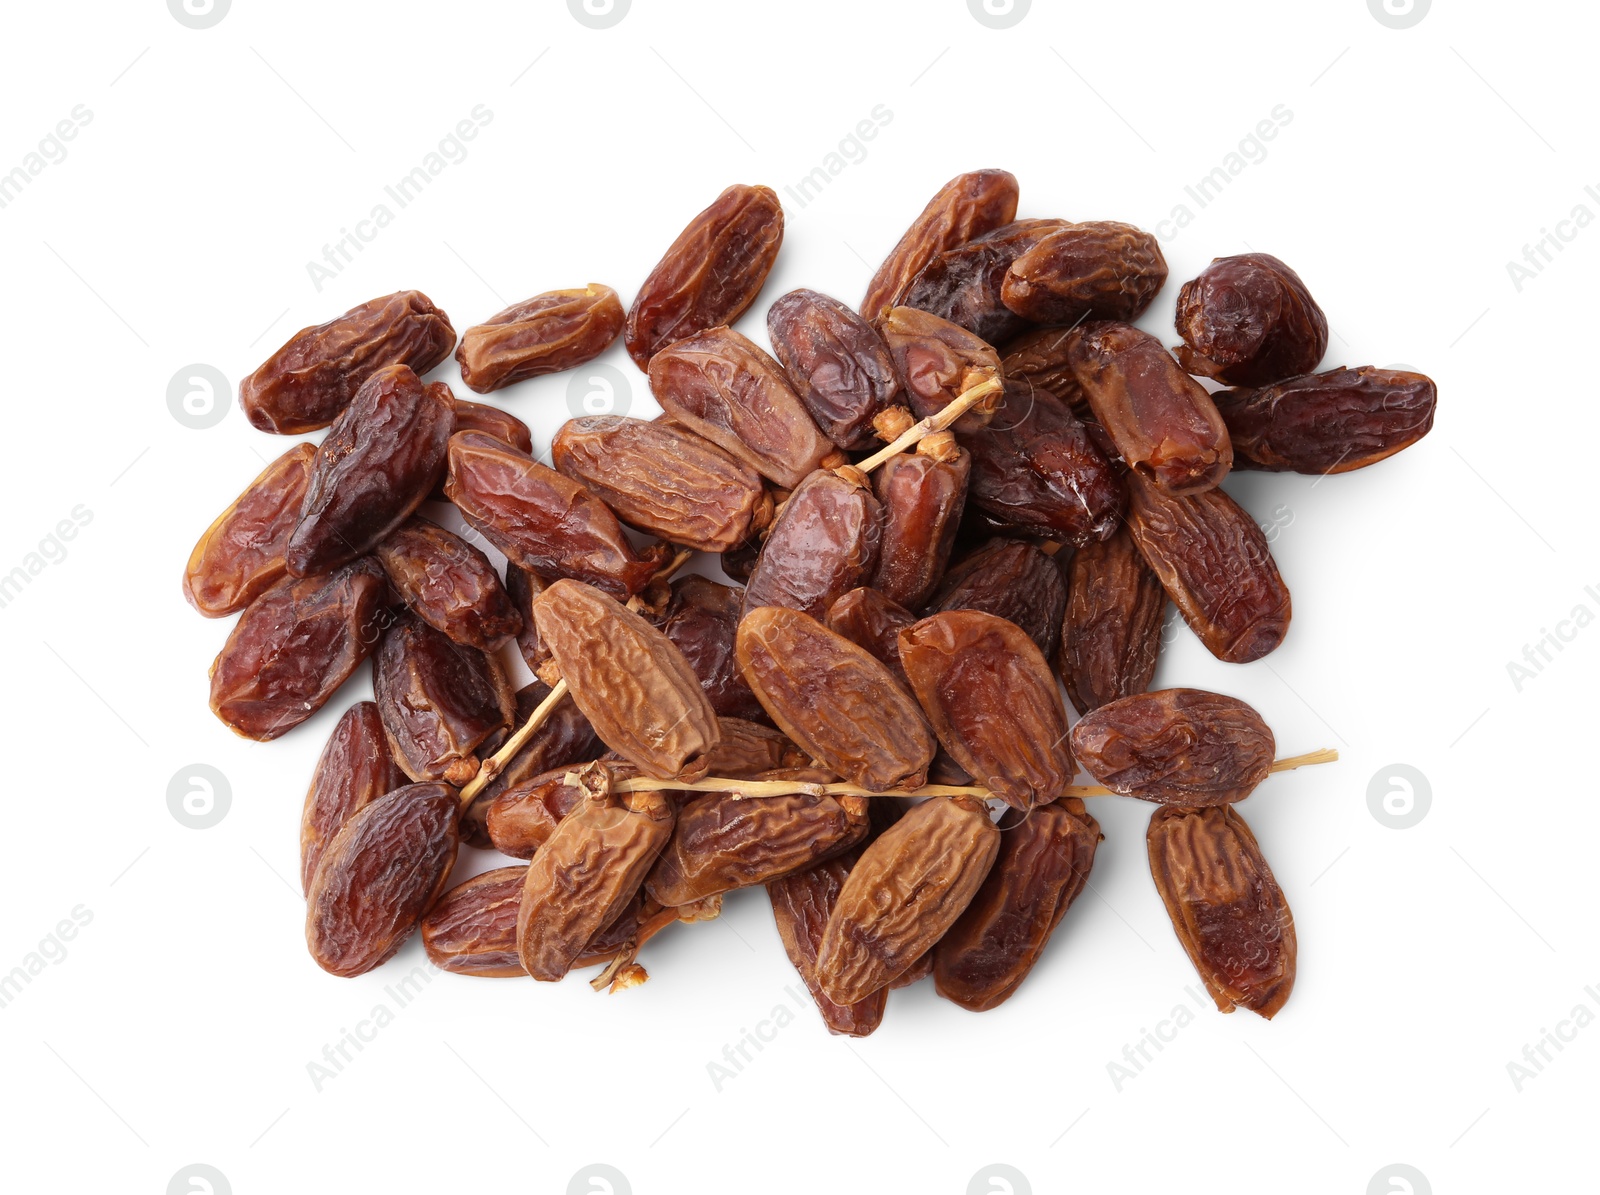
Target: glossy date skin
(1011, 579)
(1329, 422)
(1163, 422)
(1036, 470)
(824, 543)
(1176, 747)
(938, 360)
(521, 818)
(963, 284)
(1042, 866)
(294, 645)
(543, 522)
(522, 587)
(354, 769)
(545, 334)
(801, 904)
(907, 889)
(472, 930)
(747, 750)
(1226, 908)
(241, 554)
(719, 385)
(1213, 560)
(1040, 357)
(872, 620)
(710, 274)
(1111, 631)
(1100, 269)
(1249, 321)
(502, 425)
(439, 700)
(312, 378)
(383, 869)
(837, 363)
(922, 495)
(702, 620)
(834, 700)
(993, 703)
(663, 480)
(565, 739)
(449, 584)
(966, 207)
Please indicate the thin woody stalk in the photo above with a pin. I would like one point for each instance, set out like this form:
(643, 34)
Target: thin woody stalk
(956, 408)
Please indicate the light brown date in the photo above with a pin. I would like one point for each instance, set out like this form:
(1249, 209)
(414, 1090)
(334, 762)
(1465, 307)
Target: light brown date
(748, 749)
(241, 554)
(545, 334)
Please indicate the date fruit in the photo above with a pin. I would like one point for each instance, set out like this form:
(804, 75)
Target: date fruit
(837, 363)
(1226, 907)
(1099, 269)
(801, 904)
(702, 620)
(824, 543)
(449, 584)
(963, 284)
(354, 770)
(1249, 321)
(1111, 633)
(473, 928)
(939, 360)
(312, 378)
(502, 425)
(710, 274)
(241, 554)
(746, 750)
(545, 334)
(922, 494)
(1040, 357)
(1011, 579)
(521, 818)
(523, 587)
(872, 620)
(565, 739)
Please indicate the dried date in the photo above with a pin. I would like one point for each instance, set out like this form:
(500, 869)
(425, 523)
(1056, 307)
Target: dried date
(545, 334)
(1100, 269)
(872, 620)
(523, 587)
(566, 738)
(939, 360)
(492, 421)
(1111, 632)
(473, 928)
(702, 620)
(1011, 579)
(1040, 357)
(837, 363)
(522, 817)
(746, 750)
(1249, 321)
(922, 495)
(824, 543)
(241, 554)
(449, 584)
(963, 284)
(354, 769)
(801, 904)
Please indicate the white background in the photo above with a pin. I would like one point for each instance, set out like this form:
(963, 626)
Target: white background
(179, 1024)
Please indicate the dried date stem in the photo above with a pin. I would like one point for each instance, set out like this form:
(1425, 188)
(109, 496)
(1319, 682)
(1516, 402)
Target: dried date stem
(957, 407)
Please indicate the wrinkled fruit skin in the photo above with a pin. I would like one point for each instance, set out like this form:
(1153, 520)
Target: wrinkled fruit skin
(873, 621)
(1329, 422)
(584, 876)
(1163, 422)
(801, 904)
(922, 497)
(1249, 321)
(523, 587)
(835, 701)
(663, 480)
(710, 274)
(1040, 357)
(1176, 747)
(1226, 907)
(906, 890)
(722, 843)
(1042, 867)
(312, 378)
(1111, 632)
(379, 462)
(966, 207)
(963, 284)
(837, 363)
(449, 584)
(938, 360)
(565, 739)
(633, 685)
(521, 818)
(545, 334)
(993, 703)
(824, 543)
(543, 522)
(1212, 559)
(746, 750)
(439, 701)
(378, 876)
(241, 555)
(502, 425)
(1100, 269)
(473, 928)
(1036, 470)
(719, 385)
(354, 769)
(293, 646)
(702, 620)
(1011, 579)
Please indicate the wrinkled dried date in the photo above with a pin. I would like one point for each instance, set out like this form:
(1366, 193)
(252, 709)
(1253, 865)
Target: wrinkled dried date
(1040, 357)
(1100, 269)
(502, 425)
(922, 494)
(521, 818)
(1226, 907)
(837, 363)
(963, 284)
(824, 543)
(710, 274)
(801, 904)
(565, 738)
(473, 928)
(523, 587)
(1249, 321)
(449, 584)
(939, 360)
(241, 554)
(545, 334)
(312, 378)
(748, 749)
(702, 620)
(1176, 747)
(1111, 632)
(354, 769)
(1011, 579)
(872, 620)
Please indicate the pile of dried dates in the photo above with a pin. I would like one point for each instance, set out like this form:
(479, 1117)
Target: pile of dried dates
(872, 723)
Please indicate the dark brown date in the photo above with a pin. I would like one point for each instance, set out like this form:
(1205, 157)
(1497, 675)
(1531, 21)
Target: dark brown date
(721, 386)
(963, 284)
(1011, 579)
(1176, 747)
(966, 207)
(1212, 559)
(1111, 633)
(523, 588)
(543, 522)
(449, 584)
(1036, 469)
(1100, 269)
(1329, 422)
(545, 334)
(354, 769)
(835, 700)
(938, 360)
(993, 702)
(710, 274)
(473, 928)
(1249, 321)
(1040, 357)
(872, 620)
(838, 365)
(293, 646)
(1226, 907)
(922, 494)
(306, 383)
(824, 543)
(664, 480)
(1043, 866)
(1163, 422)
(378, 876)
(241, 555)
(492, 421)
(702, 620)
(565, 739)
(801, 904)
